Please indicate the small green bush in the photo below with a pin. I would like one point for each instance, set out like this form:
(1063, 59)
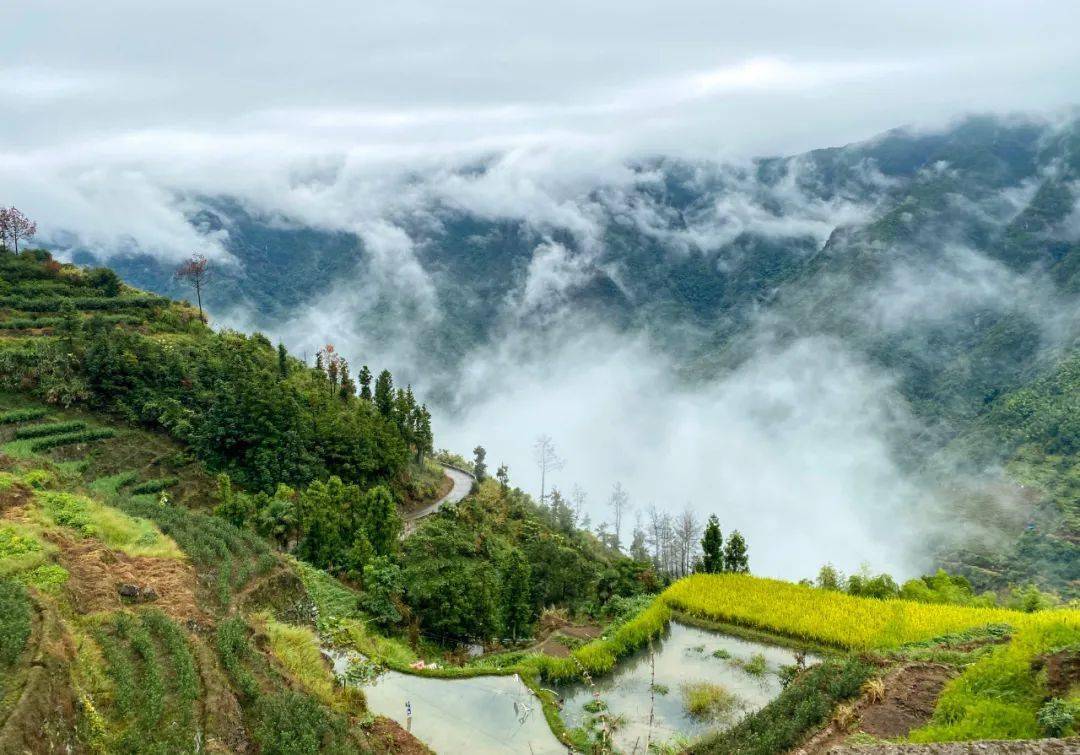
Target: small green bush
(1057, 717)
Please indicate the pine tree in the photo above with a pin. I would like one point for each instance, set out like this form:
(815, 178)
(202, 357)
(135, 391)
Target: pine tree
(735, 557)
(384, 394)
(365, 383)
(282, 361)
(348, 387)
(503, 476)
(712, 547)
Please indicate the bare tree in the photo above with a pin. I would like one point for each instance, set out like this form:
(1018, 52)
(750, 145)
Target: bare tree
(618, 503)
(547, 460)
(195, 271)
(578, 497)
(14, 225)
(654, 533)
(687, 535)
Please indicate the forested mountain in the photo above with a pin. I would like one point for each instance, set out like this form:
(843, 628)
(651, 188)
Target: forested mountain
(950, 259)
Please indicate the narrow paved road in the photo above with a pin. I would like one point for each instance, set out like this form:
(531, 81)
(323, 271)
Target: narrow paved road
(462, 485)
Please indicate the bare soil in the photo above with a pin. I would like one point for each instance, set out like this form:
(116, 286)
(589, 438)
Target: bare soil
(911, 693)
(550, 644)
(1062, 671)
(387, 736)
(97, 572)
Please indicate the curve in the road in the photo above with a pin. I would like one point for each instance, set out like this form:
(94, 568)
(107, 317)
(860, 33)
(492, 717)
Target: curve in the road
(463, 482)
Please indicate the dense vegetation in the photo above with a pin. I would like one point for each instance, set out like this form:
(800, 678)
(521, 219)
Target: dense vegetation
(241, 405)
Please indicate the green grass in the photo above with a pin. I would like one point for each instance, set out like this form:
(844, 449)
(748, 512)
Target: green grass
(708, 701)
(599, 656)
(332, 599)
(116, 529)
(999, 696)
(111, 484)
(297, 650)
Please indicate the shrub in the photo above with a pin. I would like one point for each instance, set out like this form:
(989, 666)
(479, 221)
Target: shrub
(805, 703)
(53, 428)
(1057, 716)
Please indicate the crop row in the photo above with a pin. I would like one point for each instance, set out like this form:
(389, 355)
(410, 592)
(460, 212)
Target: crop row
(21, 415)
(56, 303)
(26, 323)
(154, 680)
(68, 439)
(52, 428)
(154, 486)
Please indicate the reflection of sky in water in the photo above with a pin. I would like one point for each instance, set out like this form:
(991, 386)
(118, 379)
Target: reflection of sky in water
(678, 662)
(486, 714)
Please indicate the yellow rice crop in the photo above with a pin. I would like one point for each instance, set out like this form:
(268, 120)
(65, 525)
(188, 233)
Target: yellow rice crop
(832, 618)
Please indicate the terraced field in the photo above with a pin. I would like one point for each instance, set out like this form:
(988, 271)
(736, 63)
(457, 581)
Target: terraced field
(130, 622)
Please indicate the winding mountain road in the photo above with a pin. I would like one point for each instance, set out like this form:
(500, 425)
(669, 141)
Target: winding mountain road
(463, 482)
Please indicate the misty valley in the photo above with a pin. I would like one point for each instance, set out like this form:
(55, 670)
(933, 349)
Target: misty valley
(517, 378)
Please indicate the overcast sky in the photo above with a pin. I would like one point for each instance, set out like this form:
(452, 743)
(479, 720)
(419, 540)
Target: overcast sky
(707, 77)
